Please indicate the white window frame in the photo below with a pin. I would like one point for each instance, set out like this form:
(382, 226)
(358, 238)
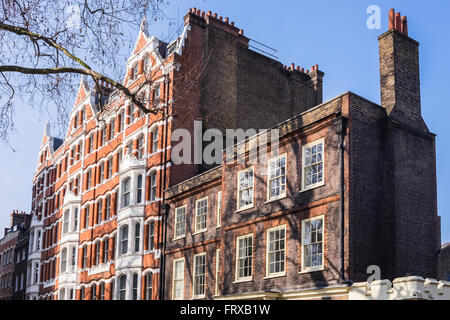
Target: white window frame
(175, 279)
(281, 273)
(313, 268)
(237, 269)
(269, 180)
(217, 272)
(238, 204)
(320, 183)
(196, 216)
(219, 209)
(175, 229)
(194, 265)
(155, 140)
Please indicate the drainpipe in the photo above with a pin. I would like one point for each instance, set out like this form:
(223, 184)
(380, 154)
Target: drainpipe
(164, 207)
(342, 131)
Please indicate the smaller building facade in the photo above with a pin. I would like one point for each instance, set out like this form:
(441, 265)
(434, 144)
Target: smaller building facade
(12, 255)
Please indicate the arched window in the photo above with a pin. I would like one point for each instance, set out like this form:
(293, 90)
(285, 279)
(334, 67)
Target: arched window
(122, 287)
(139, 189)
(66, 222)
(110, 168)
(94, 292)
(153, 186)
(112, 128)
(105, 250)
(124, 239)
(149, 286)
(137, 237)
(75, 220)
(140, 146)
(108, 208)
(126, 192)
(121, 121)
(132, 111)
(147, 64)
(102, 291)
(135, 286)
(84, 261)
(97, 253)
(102, 172)
(99, 211)
(154, 134)
(73, 259)
(91, 143)
(151, 235)
(63, 260)
(62, 294)
(86, 217)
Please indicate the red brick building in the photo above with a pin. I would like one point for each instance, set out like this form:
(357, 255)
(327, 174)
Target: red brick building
(100, 229)
(97, 224)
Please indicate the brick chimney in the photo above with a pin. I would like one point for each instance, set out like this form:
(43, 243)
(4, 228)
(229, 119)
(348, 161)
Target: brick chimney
(399, 73)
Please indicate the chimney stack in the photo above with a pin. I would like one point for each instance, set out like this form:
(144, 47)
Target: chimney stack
(399, 72)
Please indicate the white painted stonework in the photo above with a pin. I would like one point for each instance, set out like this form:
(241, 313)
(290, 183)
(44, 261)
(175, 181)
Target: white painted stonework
(407, 288)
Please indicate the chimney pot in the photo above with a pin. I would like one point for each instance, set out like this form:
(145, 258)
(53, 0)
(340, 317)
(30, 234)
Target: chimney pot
(227, 20)
(316, 67)
(203, 14)
(215, 15)
(397, 21)
(241, 32)
(391, 19)
(209, 13)
(298, 68)
(232, 23)
(302, 69)
(198, 12)
(220, 18)
(194, 10)
(404, 25)
(292, 66)
(307, 71)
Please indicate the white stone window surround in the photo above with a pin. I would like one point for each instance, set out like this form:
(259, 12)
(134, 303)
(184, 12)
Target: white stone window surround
(129, 272)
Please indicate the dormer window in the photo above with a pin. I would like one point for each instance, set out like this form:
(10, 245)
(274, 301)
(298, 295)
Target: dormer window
(147, 64)
(158, 92)
(134, 72)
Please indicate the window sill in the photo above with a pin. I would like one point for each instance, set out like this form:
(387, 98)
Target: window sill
(179, 238)
(276, 199)
(318, 185)
(244, 208)
(278, 275)
(322, 268)
(199, 232)
(242, 280)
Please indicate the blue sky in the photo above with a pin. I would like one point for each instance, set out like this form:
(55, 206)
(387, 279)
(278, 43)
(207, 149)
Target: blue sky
(330, 33)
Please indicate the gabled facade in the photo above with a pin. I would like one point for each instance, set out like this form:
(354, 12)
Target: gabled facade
(97, 220)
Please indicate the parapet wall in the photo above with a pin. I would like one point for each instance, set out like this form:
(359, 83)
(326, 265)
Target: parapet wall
(406, 288)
